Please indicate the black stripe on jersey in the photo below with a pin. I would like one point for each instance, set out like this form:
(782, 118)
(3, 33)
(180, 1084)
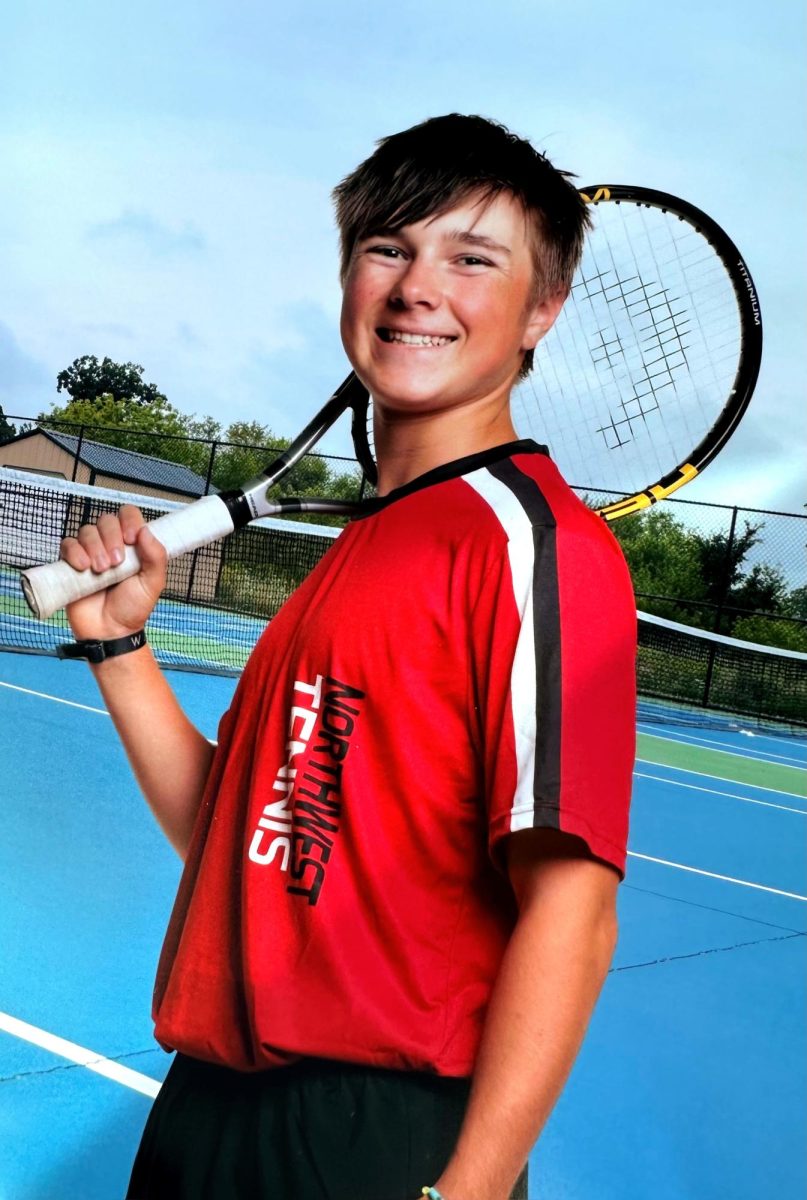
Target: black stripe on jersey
(547, 633)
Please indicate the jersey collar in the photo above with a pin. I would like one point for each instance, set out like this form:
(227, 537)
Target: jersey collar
(449, 470)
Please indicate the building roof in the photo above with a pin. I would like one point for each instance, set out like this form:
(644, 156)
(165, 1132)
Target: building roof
(127, 465)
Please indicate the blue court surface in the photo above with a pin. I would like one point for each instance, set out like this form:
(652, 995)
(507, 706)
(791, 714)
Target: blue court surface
(690, 1083)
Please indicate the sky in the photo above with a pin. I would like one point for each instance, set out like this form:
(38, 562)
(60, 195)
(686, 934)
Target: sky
(165, 197)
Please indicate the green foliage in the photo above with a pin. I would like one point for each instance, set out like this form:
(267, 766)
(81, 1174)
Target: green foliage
(795, 604)
(7, 430)
(87, 379)
(721, 562)
(248, 447)
(156, 428)
(763, 589)
(670, 563)
(788, 635)
(664, 562)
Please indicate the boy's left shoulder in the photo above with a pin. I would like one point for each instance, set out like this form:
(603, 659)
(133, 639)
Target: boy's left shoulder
(530, 479)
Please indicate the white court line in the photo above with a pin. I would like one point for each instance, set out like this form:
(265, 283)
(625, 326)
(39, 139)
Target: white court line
(733, 753)
(693, 739)
(714, 792)
(758, 787)
(77, 1054)
(57, 699)
(102, 712)
(760, 887)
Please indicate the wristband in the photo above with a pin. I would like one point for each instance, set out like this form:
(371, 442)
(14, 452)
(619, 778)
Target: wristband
(96, 652)
(431, 1193)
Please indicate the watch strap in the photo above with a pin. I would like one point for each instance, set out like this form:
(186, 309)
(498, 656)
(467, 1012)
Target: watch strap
(97, 651)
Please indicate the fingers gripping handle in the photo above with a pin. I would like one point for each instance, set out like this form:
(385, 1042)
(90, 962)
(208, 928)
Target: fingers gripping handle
(51, 587)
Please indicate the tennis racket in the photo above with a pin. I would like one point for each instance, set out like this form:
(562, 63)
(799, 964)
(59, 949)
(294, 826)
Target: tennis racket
(643, 379)
(654, 357)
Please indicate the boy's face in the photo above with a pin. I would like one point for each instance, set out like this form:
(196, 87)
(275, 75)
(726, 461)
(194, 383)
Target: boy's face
(438, 314)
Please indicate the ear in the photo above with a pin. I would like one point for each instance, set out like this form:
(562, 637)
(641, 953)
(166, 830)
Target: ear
(541, 316)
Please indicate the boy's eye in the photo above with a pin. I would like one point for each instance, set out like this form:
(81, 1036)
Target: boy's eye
(385, 251)
(473, 260)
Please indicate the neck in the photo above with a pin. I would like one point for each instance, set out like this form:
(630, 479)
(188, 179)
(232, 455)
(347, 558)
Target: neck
(408, 445)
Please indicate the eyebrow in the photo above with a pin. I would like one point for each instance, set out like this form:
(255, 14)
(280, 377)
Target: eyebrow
(469, 238)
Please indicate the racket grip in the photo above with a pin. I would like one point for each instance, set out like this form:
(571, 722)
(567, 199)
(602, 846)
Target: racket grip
(54, 585)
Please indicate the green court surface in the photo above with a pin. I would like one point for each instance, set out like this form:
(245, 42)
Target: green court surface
(721, 764)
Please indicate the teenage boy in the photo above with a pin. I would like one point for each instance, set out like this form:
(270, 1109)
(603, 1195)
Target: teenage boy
(401, 862)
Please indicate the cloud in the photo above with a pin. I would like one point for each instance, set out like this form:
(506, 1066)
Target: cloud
(23, 380)
(109, 329)
(285, 386)
(140, 229)
(187, 335)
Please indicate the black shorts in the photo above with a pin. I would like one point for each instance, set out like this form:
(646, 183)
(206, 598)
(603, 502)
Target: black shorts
(314, 1131)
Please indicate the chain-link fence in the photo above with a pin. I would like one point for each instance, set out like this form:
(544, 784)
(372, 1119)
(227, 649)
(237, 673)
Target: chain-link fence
(730, 570)
(168, 465)
(720, 567)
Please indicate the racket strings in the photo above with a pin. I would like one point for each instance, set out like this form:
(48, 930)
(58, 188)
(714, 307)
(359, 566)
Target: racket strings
(643, 356)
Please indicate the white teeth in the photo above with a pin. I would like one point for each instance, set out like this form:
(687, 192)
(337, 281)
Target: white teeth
(416, 339)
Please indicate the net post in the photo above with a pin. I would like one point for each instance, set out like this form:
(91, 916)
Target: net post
(710, 668)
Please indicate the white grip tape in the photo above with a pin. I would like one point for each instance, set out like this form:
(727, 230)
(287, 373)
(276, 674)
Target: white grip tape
(54, 585)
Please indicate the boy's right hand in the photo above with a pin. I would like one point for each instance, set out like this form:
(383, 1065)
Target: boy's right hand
(124, 608)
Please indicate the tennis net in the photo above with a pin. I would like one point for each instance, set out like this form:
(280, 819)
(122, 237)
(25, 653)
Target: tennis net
(218, 600)
(685, 674)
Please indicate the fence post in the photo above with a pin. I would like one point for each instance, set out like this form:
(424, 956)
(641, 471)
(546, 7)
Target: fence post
(211, 460)
(726, 581)
(77, 455)
(195, 559)
(721, 602)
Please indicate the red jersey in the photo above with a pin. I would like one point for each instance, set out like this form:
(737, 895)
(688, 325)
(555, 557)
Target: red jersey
(458, 667)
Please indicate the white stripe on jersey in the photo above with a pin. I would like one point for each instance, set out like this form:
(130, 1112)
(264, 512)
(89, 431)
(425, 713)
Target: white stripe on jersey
(521, 554)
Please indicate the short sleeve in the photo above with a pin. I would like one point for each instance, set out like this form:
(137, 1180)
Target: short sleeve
(554, 646)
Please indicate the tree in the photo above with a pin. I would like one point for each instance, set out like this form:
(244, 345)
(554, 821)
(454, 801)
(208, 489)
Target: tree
(763, 589)
(7, 430)
(148, 423)
(767, 631)
(87, 379)
(155, 428)
(795, 604)
(721, 564)
(247, 447)
(665, 565)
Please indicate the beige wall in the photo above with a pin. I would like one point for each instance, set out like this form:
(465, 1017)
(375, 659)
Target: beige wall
(43, 456)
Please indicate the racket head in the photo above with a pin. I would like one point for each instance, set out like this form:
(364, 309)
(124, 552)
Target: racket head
(654, 357)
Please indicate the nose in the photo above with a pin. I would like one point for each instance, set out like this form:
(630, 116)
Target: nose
(418, 284)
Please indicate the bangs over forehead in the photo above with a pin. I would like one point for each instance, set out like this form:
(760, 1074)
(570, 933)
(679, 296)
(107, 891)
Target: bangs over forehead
(433, 167)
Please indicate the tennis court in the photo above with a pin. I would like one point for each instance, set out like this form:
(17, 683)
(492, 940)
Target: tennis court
(690, 1084)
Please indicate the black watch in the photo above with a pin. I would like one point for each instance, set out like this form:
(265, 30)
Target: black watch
(96, 652)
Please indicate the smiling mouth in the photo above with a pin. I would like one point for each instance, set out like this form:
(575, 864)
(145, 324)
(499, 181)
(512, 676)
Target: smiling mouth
(396, 336)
